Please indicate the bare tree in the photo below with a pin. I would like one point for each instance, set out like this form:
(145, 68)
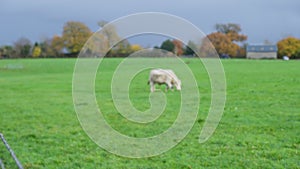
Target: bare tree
(22, 47)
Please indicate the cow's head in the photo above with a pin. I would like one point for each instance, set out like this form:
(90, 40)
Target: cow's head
(178, 87)
(177, 84)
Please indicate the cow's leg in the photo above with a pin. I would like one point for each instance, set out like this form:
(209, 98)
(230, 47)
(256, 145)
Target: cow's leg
(172, 88)
(167, 88)
(172, 85)
(152, 87)
(169, 85)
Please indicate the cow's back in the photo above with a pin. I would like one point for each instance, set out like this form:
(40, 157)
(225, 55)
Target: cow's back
(158, 75)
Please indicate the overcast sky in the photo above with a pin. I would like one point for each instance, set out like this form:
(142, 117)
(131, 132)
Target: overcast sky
(260, 20)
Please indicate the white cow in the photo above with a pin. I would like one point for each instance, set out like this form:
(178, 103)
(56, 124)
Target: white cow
(163, 76)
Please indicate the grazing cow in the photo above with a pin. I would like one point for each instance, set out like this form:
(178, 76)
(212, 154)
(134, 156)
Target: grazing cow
(161, 76)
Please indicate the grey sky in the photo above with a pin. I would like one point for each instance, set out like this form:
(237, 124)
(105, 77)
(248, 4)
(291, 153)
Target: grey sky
(260, 19)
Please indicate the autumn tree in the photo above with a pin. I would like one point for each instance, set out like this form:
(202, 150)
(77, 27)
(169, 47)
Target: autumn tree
(36, 51)
(227, 28)
(221, 43)
(74, 35)
(57, 45)
(178, 47)
(241, 52)
(224, 40)
(7, 51)
(232, 31)
(136, 47)
(289, 46)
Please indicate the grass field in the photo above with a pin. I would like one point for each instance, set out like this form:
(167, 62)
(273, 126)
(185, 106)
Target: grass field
(260, 127)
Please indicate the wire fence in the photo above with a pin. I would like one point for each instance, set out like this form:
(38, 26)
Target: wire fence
(1, 164)
(11, 153)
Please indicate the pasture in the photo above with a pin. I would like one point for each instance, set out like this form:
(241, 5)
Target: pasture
(260, 127)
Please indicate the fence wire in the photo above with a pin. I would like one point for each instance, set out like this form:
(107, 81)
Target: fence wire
(1, 164)
(11, 153)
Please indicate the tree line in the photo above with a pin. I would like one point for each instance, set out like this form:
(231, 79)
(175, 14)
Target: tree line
(227, 40)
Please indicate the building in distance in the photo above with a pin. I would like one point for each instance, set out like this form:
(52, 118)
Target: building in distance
(261, 52)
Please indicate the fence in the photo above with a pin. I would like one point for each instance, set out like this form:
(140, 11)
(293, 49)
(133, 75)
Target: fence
(11, 153)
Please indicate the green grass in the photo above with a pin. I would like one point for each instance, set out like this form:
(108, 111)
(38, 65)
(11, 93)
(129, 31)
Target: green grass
(260, 127)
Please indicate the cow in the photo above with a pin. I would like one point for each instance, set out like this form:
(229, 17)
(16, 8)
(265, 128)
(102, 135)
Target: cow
(163, 76)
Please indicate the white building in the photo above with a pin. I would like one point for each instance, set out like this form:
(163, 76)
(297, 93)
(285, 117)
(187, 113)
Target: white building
(261, 52)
